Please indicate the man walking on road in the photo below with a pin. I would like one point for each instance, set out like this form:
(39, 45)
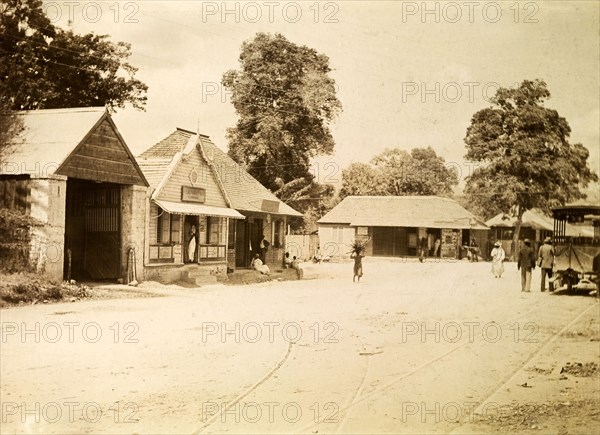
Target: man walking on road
(526, 263)
(546, 260)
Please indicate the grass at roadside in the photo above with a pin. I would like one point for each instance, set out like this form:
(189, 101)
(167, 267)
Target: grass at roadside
(28, 288)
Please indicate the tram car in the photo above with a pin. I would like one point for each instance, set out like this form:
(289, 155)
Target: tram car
(577, 247)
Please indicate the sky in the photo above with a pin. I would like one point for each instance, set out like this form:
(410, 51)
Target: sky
(408, 74)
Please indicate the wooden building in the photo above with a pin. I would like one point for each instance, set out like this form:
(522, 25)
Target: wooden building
(198, 188)
(396, 224)
(73, 172)
(265, 213)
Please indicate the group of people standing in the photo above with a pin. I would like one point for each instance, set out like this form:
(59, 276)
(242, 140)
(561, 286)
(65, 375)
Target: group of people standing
(526, 262)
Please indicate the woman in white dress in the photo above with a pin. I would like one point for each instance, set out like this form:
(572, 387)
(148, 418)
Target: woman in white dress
(257, 264)
(498, 256)
(192, 244)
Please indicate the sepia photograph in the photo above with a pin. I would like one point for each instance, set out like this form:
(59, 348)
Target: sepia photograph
(299, 217)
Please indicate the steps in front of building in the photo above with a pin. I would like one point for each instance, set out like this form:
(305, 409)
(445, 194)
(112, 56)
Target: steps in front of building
(199, 276)
(202, 280)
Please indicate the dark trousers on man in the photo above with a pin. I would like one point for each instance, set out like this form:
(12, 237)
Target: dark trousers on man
(548, 272)
(525, 279)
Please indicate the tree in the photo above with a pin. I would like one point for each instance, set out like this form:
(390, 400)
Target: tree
(44, 67)
(361, 179)
(422, 172)
(285, 101)
(527, 160)
(10, 126)
(316, 211)
(314, 199)
(397, 172)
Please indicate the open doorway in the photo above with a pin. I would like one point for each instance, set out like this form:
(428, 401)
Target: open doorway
(434, 235)
(248, 234)
(190, 240)
(92, 230)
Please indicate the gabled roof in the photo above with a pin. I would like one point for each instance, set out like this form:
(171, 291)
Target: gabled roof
(154, 169)
(51, 136)
(169, 146)
(530, 219)
(158, 165)
(48, 137)
(244, 191)
(241, 190)
(402, 211)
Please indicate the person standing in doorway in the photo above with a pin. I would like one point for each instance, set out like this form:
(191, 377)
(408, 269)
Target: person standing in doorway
(546, 261)
(436, 248)
(422, 249)
(474, 250)
(263, 247)
(526, 263)
(192, 245)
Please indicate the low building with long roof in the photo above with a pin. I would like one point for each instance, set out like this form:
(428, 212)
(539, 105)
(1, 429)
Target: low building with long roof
(395, 225)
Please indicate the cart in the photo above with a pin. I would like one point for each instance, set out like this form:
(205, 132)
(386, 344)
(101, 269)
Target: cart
(576, 247)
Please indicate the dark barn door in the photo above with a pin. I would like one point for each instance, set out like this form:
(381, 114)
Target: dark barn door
(247, 241)
(383, 241)
(390, 241)
(93, 229)
(242, 244)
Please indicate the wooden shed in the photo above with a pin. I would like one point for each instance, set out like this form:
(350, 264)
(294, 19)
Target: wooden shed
(73, 172)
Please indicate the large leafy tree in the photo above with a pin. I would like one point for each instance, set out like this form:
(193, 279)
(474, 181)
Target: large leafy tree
(398, 172)
(285, 100)
(10, 126)
(527, 159)
(420, 172)
(44, 67)
(361, 179)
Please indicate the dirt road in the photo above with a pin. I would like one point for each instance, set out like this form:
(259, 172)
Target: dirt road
(413, 348)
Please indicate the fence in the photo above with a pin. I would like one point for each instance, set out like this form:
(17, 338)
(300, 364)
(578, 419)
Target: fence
(302, 246)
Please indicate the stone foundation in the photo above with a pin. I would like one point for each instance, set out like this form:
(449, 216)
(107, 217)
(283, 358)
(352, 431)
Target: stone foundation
(170, 273)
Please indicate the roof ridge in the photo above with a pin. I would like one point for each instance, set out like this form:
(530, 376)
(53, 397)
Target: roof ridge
(61, 110)
(183, 130)
(191, 132)
(402, 196)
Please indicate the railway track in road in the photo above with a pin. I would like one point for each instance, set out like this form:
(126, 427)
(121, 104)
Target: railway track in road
(358, 396)
(547, 343)
(345, 412)
(241, 396)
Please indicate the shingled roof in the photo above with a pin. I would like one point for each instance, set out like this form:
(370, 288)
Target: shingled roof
(402, 211)
(243, 192)
(169, 146)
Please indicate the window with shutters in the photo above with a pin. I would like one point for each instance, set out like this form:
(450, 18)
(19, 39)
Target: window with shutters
(277, 233)
(214, 242)
(168, 234)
